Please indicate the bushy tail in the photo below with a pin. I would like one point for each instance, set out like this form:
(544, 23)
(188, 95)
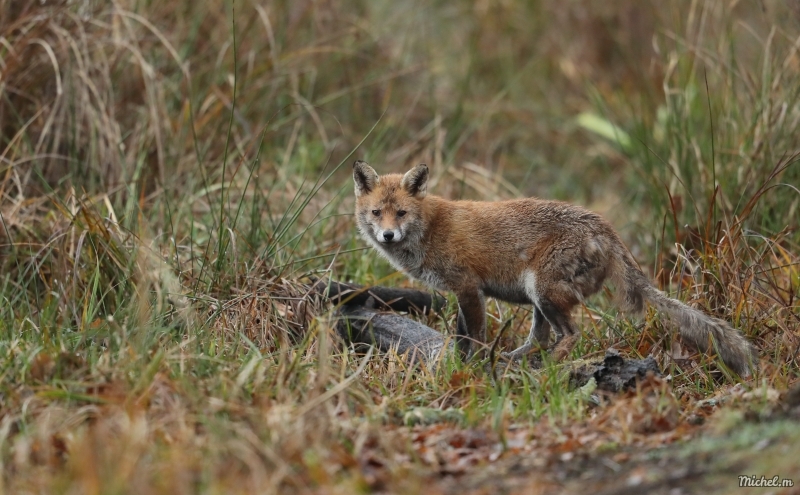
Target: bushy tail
(699, 329)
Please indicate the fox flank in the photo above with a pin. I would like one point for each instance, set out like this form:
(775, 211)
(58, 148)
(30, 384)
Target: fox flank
(549, 254)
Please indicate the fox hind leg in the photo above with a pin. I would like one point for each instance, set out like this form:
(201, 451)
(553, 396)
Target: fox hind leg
(540, 333)
(553, 299)
(561, 321)
(540, 330)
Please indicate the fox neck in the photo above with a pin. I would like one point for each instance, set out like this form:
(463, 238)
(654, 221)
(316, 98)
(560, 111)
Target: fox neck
(407, 255)
(405, 258)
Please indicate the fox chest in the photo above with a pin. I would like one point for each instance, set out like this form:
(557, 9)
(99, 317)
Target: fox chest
(412, 264)
(429, 278)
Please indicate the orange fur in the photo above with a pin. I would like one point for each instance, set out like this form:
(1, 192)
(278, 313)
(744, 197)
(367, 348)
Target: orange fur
(527, 251)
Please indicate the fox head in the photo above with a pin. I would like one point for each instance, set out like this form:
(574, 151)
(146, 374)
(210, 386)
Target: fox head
(389, 207)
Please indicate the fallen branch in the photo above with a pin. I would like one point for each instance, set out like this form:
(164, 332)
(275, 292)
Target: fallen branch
(403, 300)
(388, 331)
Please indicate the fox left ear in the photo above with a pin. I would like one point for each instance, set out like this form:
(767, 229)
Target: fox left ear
(415, 181)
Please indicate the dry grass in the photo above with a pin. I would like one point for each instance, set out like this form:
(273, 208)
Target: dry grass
(166, 187)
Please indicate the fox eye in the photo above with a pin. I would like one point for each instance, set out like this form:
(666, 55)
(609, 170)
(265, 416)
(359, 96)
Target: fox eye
(377, 213)
(401, 213)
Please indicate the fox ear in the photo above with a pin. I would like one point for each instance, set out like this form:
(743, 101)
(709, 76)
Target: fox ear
(415, 182)
(365, 177)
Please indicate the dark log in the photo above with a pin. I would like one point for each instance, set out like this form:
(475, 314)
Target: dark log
(388, 331)
(614, 373)
(403, 300)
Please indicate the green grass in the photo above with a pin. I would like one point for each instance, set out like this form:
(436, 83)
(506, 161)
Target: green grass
(167, 188)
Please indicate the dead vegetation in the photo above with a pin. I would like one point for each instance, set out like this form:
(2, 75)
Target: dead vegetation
(168, 191)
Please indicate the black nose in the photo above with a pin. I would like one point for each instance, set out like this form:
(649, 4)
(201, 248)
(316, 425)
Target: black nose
(389, 235)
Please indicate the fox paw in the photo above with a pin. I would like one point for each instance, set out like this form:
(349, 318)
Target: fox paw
(564, 347)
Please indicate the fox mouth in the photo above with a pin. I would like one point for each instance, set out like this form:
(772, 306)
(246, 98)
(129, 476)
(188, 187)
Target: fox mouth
(387, 238)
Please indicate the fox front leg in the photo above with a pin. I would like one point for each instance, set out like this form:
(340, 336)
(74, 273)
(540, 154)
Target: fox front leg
(471, 324)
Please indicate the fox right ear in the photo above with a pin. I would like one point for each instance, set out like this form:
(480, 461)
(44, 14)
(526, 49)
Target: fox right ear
(415, 181)
(365, 178)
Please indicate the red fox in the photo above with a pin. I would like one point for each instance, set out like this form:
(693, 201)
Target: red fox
(548, 254)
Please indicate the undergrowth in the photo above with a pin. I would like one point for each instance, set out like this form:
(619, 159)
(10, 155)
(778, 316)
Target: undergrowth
(172, 174)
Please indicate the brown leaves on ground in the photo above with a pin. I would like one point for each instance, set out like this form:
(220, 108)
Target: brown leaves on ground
(648, 418)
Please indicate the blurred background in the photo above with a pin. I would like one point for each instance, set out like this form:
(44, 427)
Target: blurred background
(181, 113)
